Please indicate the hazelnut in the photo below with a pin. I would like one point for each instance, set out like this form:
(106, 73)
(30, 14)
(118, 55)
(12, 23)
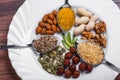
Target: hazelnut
(76, 74)
(82, 66)
(60, 71)
(72, 68)
(68, 55)
(66, 62)
(75, 60)
(89, 68)
(67, 74)
(73, 50)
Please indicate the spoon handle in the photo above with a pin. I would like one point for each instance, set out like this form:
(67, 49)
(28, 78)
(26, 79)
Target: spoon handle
(4, 47)
(66, 2)
(112, 66)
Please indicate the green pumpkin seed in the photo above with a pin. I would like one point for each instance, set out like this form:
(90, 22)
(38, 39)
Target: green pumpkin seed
(63, 49)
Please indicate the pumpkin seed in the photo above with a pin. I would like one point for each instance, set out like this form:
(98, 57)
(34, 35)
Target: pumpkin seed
(63, 49)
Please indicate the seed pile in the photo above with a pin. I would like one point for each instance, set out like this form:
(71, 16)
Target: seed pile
(53, 60)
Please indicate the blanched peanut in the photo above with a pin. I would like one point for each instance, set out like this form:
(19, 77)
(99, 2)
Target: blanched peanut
(82, 20)
(84, 12)
(91, 23)
(79, 29)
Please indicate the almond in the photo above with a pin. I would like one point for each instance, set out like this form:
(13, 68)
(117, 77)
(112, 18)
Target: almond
(54, 12)
(41, 24)
(49, 21)
(43, 31)
(48, 26)
(38, 30)
(58, 29)
(51, 16)
(55, 21)
(54, 28)
(45, 18)
(50, 32)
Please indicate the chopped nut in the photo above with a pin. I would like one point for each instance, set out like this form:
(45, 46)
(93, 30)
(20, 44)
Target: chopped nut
(100, 27)
(87, 35)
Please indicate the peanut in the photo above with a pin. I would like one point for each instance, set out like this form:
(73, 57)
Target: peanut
(91, 24)
(82, 20)
(84, 12)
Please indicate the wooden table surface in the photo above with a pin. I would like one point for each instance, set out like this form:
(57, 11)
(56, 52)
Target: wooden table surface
(7, 10)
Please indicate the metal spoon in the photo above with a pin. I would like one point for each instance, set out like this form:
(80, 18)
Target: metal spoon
(4, 47)
(104, 61)
(66, 4)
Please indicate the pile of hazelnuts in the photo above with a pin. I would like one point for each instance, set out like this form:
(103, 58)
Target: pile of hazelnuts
(70, 63)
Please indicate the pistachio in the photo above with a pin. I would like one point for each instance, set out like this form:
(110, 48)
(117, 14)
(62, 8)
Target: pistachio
(63, 49)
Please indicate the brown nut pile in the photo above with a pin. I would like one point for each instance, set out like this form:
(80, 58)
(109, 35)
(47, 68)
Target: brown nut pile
(98, 37)
(100, 27)
(70, 63)
(49, 24)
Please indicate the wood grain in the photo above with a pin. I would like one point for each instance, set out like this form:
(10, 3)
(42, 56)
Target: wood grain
(7, 11)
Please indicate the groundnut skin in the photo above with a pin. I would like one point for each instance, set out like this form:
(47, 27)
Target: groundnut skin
(68, 74)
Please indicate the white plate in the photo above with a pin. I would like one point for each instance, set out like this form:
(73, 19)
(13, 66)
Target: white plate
(22, 31)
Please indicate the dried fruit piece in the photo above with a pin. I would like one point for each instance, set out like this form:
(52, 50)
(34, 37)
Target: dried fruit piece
(76, 74)
(68, 55)
(67, 74)
(82, 66)
(60, 71)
